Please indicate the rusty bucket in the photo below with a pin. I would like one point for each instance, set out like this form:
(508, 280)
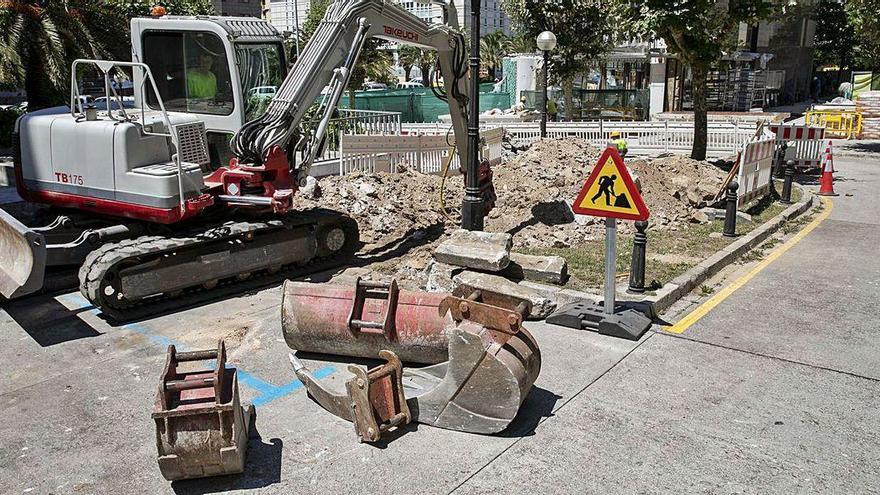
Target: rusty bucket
(363, 319)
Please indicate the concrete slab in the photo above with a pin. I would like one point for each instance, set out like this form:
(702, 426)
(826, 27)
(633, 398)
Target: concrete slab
(479, 250)
(84, 421)
(678, 416)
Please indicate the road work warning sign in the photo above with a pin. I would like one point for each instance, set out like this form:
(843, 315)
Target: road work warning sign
(610, 192)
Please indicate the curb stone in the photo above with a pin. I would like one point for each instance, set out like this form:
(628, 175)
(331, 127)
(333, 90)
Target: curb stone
(681, 286)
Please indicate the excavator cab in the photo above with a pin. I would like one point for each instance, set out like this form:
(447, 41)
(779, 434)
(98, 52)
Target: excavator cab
(223, 70)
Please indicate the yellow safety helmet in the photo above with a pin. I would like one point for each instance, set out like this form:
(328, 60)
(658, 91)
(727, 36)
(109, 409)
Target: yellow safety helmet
(615, 134)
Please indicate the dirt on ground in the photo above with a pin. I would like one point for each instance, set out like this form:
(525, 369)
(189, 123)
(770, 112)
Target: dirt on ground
(535, 189)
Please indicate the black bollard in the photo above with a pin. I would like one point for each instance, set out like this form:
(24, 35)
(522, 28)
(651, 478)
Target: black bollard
(637, 267)
(730, 213)
(778, 167)
(786, 184)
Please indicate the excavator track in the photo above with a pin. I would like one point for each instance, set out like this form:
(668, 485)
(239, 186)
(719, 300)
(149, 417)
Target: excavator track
(147, 275)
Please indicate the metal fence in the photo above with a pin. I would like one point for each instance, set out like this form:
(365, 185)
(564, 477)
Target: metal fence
(363, 122)
(724, 138)
(423, 152)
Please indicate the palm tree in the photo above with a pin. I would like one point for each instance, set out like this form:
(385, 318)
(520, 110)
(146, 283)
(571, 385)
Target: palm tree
(493, 48)
(39, 39)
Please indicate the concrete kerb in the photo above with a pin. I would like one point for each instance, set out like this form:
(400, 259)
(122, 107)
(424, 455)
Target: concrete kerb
(682, 285)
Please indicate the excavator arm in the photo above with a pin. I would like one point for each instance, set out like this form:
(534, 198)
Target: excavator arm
(328, 61)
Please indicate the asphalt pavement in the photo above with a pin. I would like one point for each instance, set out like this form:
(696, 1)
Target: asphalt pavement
(775, 390)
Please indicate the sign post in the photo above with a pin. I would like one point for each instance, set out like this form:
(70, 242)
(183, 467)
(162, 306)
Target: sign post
(609, 192)
(610, 264)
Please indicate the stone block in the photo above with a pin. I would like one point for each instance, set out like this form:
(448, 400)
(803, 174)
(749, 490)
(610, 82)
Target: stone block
(552, 269)
(478, 250)
(440, 277)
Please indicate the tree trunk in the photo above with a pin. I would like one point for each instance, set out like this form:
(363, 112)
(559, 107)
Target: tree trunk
(40, 93)
(426, 78)
(698, 152)
(351, 101)
(407, 69)
(568, 93)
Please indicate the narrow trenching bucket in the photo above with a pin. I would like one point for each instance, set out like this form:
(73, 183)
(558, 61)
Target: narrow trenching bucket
(201, 427)
(22, 258)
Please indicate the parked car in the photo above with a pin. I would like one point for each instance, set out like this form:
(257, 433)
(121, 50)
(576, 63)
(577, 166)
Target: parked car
(375, 86)
(263, 91)
(410, 85)
(101, 102)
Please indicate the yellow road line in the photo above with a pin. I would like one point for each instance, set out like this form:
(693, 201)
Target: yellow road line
(681, 325)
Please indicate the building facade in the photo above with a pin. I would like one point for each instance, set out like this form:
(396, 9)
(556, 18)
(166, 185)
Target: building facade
(287, 15)
(492, 17)
(239, 8)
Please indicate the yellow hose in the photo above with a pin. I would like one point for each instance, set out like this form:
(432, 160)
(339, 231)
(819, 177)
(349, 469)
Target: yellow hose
(446, 166)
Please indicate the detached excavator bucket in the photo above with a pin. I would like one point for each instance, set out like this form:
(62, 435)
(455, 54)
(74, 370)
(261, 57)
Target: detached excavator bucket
(492, 363)
(22, 258)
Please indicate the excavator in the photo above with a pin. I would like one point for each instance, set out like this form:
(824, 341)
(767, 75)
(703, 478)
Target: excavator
(154, 203)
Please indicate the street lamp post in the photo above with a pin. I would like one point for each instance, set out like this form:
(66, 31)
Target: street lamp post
(472, 204)
(546, 43)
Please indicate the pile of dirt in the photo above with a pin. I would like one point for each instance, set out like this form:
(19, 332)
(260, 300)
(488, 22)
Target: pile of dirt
(535, 188)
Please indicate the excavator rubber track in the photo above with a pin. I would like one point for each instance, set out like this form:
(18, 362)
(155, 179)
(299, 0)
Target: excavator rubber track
(147, 275)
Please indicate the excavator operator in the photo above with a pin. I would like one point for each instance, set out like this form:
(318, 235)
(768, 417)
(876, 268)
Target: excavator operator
(200, 80)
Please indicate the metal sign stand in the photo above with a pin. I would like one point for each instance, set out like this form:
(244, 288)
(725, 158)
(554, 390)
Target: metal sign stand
(625, 321)
(610, 264)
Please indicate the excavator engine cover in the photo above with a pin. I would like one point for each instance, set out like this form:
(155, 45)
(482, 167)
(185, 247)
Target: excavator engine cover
(201, 428)
(360, 321)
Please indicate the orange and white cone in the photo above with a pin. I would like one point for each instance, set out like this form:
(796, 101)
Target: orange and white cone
(826, 185)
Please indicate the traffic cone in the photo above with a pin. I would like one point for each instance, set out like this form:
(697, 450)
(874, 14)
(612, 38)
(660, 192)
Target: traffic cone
(826, 185)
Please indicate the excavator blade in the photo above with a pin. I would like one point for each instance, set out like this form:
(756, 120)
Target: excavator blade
(22, 258)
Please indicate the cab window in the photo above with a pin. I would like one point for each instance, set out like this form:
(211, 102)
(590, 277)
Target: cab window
(261, 70)
(191, 72)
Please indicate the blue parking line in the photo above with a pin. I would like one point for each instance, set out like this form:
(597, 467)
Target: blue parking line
(265, 390)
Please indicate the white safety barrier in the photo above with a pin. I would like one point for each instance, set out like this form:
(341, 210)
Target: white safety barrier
(423, 152)
(805, 143)
(723, 138)
(755, 168)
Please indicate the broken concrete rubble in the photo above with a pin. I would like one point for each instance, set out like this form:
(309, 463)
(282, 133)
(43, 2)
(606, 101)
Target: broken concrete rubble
(479, 250)
(541, 305)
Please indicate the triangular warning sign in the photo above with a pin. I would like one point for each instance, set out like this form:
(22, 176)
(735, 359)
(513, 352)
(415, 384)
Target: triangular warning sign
(610, 191)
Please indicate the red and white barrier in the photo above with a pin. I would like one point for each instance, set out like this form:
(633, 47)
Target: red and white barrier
(806, 140)
(756, 168)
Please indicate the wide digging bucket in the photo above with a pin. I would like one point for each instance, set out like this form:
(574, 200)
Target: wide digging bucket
(493, 363)
(22, 258)
(363, 319)
(201, 427)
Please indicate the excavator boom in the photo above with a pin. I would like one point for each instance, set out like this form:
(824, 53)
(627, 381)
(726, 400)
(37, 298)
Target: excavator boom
(328, 60)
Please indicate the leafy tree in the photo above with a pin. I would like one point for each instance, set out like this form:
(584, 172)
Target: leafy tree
(372, 63)
(493, 48)
(698, 32)
(408, 57)
(411, 56)
(864, 17)
(39, 40)
(835, 36)
(135, 8)
(582, 32)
